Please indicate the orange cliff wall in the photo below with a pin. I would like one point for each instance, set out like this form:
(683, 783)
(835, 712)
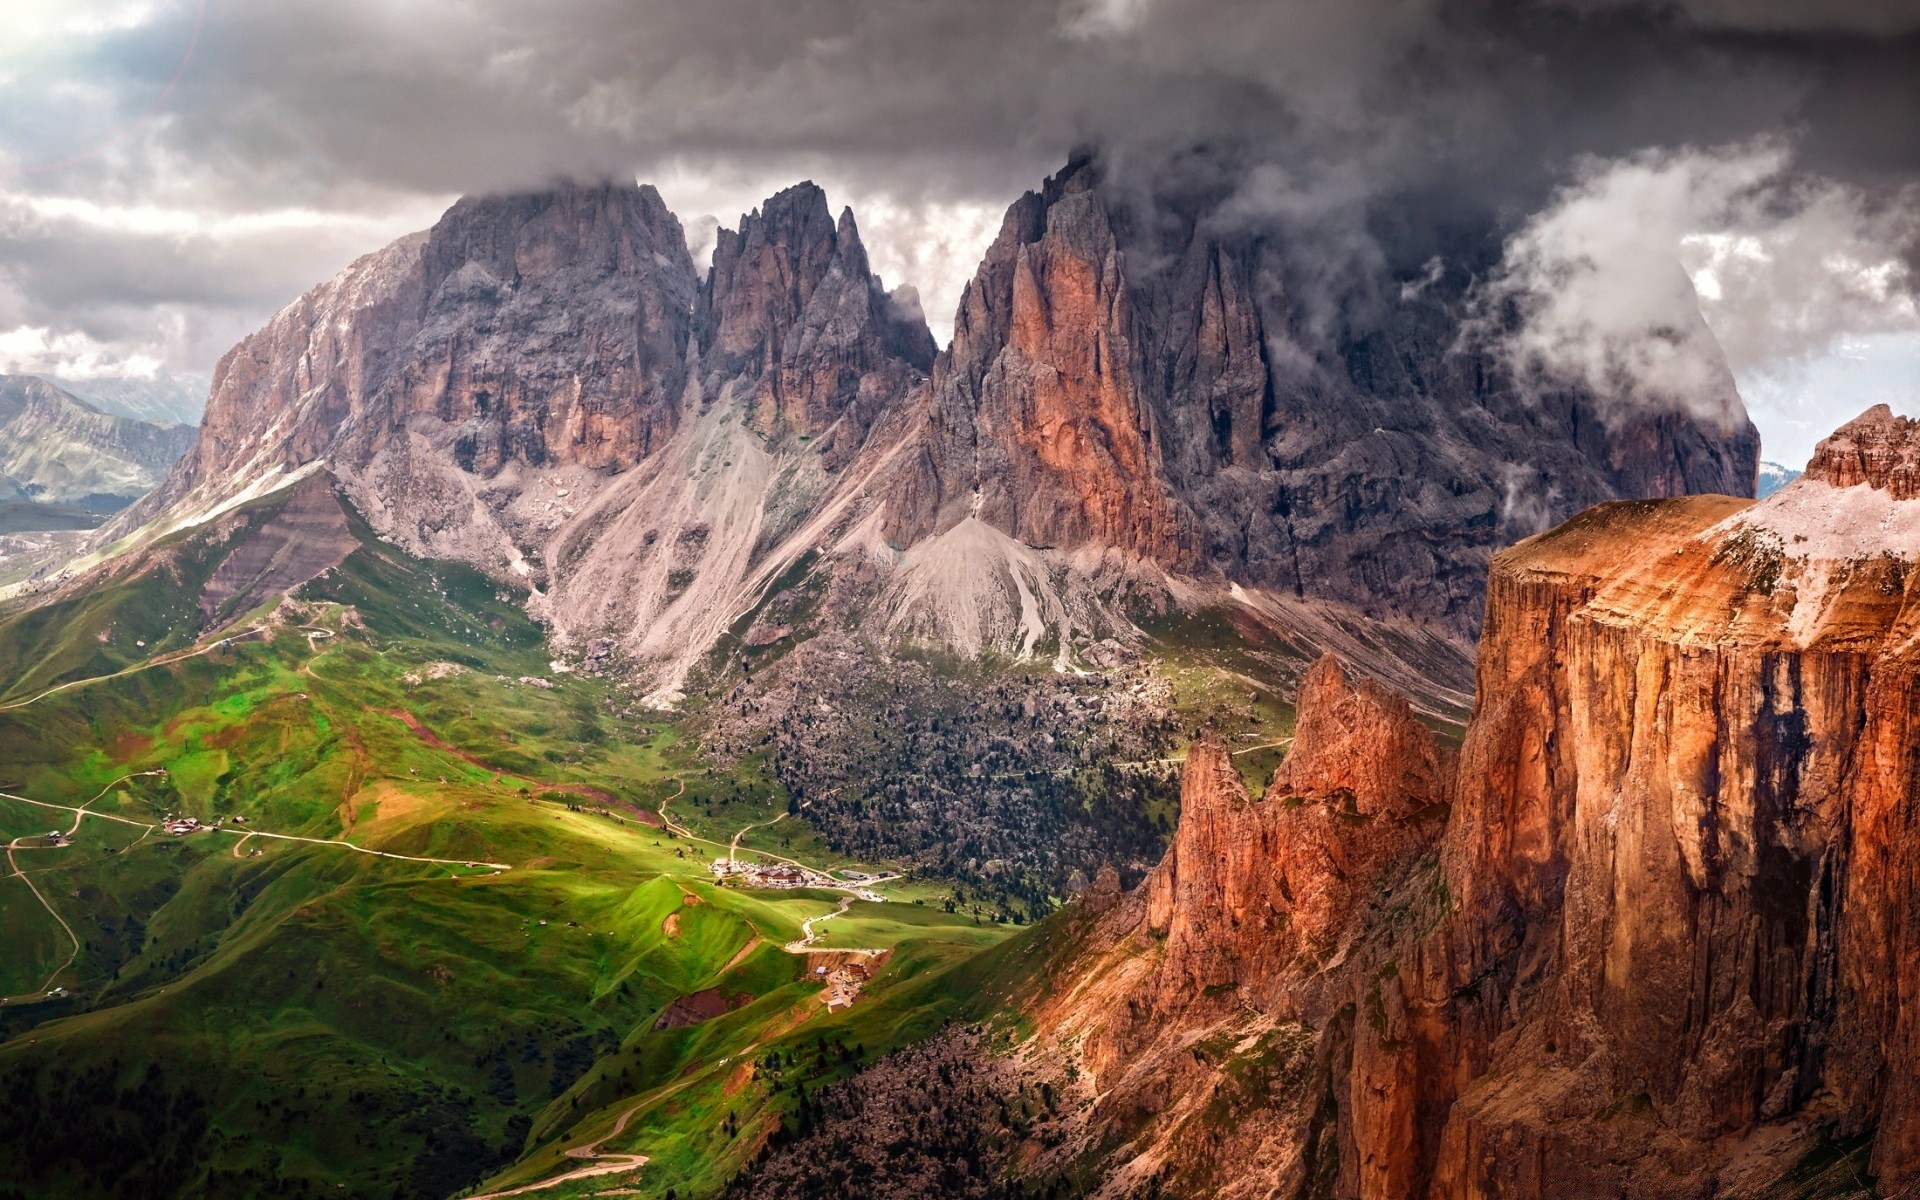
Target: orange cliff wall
(1668, 938)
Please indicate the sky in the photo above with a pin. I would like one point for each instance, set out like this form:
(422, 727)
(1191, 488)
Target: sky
(1668, 189)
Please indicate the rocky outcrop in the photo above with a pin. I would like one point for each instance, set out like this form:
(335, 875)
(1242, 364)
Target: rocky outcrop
(792, 317)
(1249, 887)
(308, 535)
(1039, 414)
(1145, 375)
(1877, 449)
(1666, 944)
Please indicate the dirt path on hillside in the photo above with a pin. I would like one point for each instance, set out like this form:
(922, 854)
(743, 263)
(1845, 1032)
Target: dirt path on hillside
(1174, 762)
(615, 1163)
(160, 661)
(808, 936)
(733, 847)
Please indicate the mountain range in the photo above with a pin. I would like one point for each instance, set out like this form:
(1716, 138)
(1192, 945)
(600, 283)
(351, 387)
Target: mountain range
(1133, 416)
(59, 451)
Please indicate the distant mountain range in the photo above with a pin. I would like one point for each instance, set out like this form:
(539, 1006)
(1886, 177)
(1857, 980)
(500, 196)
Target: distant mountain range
(1772, 478)
(166, 398)
(62, 458)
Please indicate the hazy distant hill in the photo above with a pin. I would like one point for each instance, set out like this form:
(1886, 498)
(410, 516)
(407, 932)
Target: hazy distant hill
(166, 398)
(1773, 477)
(58, 450)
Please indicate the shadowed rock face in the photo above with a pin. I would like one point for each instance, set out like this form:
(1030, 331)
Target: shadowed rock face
(554, 328)
(530, 329)
(1148, 381)
(1666, 941)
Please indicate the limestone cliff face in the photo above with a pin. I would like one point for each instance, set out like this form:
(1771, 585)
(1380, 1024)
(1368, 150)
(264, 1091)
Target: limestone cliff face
(1667, 940)
(1148, 375)
(1039, 416)
(1683, 794)
(521, 331)
(792, 316)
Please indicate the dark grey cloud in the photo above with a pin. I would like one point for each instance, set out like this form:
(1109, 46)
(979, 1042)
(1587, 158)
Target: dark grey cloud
(1373, 134)
(1777, 16)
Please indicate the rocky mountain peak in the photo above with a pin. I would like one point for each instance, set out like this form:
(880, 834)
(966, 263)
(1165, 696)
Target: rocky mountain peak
(1362, 739)
(1129, 373)
(1877, 448)
(793, 318)
(606, 266)
(584, 231)
(1250, 884)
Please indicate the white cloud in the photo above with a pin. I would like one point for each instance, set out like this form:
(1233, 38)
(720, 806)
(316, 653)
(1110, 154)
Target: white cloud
(1659, 272)
(29, 350)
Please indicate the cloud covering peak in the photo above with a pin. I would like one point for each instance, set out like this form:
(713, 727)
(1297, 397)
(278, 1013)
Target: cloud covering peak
(1378, 135)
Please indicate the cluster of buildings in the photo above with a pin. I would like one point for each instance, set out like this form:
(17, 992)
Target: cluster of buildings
(843, 985)
(767, 875)
(182, 826)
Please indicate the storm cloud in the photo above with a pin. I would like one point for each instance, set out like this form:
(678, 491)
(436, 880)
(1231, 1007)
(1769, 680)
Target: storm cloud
(1376, 136)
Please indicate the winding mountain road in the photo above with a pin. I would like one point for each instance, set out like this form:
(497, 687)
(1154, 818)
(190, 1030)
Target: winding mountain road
(158, 661)
(80, 814)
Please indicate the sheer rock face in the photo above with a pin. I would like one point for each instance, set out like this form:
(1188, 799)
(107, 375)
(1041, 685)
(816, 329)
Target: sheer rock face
(1686, 794)
(1230, 981)
(1668, 938)
(554, 328)
(1040, 421)
(792, 316)
(1146, 381)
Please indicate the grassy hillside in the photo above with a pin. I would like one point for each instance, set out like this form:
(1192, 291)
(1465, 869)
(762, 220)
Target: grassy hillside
(245, 1013)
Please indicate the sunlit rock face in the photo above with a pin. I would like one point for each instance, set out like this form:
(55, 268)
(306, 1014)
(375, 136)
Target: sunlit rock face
(1680, 791)
(1665, 942)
